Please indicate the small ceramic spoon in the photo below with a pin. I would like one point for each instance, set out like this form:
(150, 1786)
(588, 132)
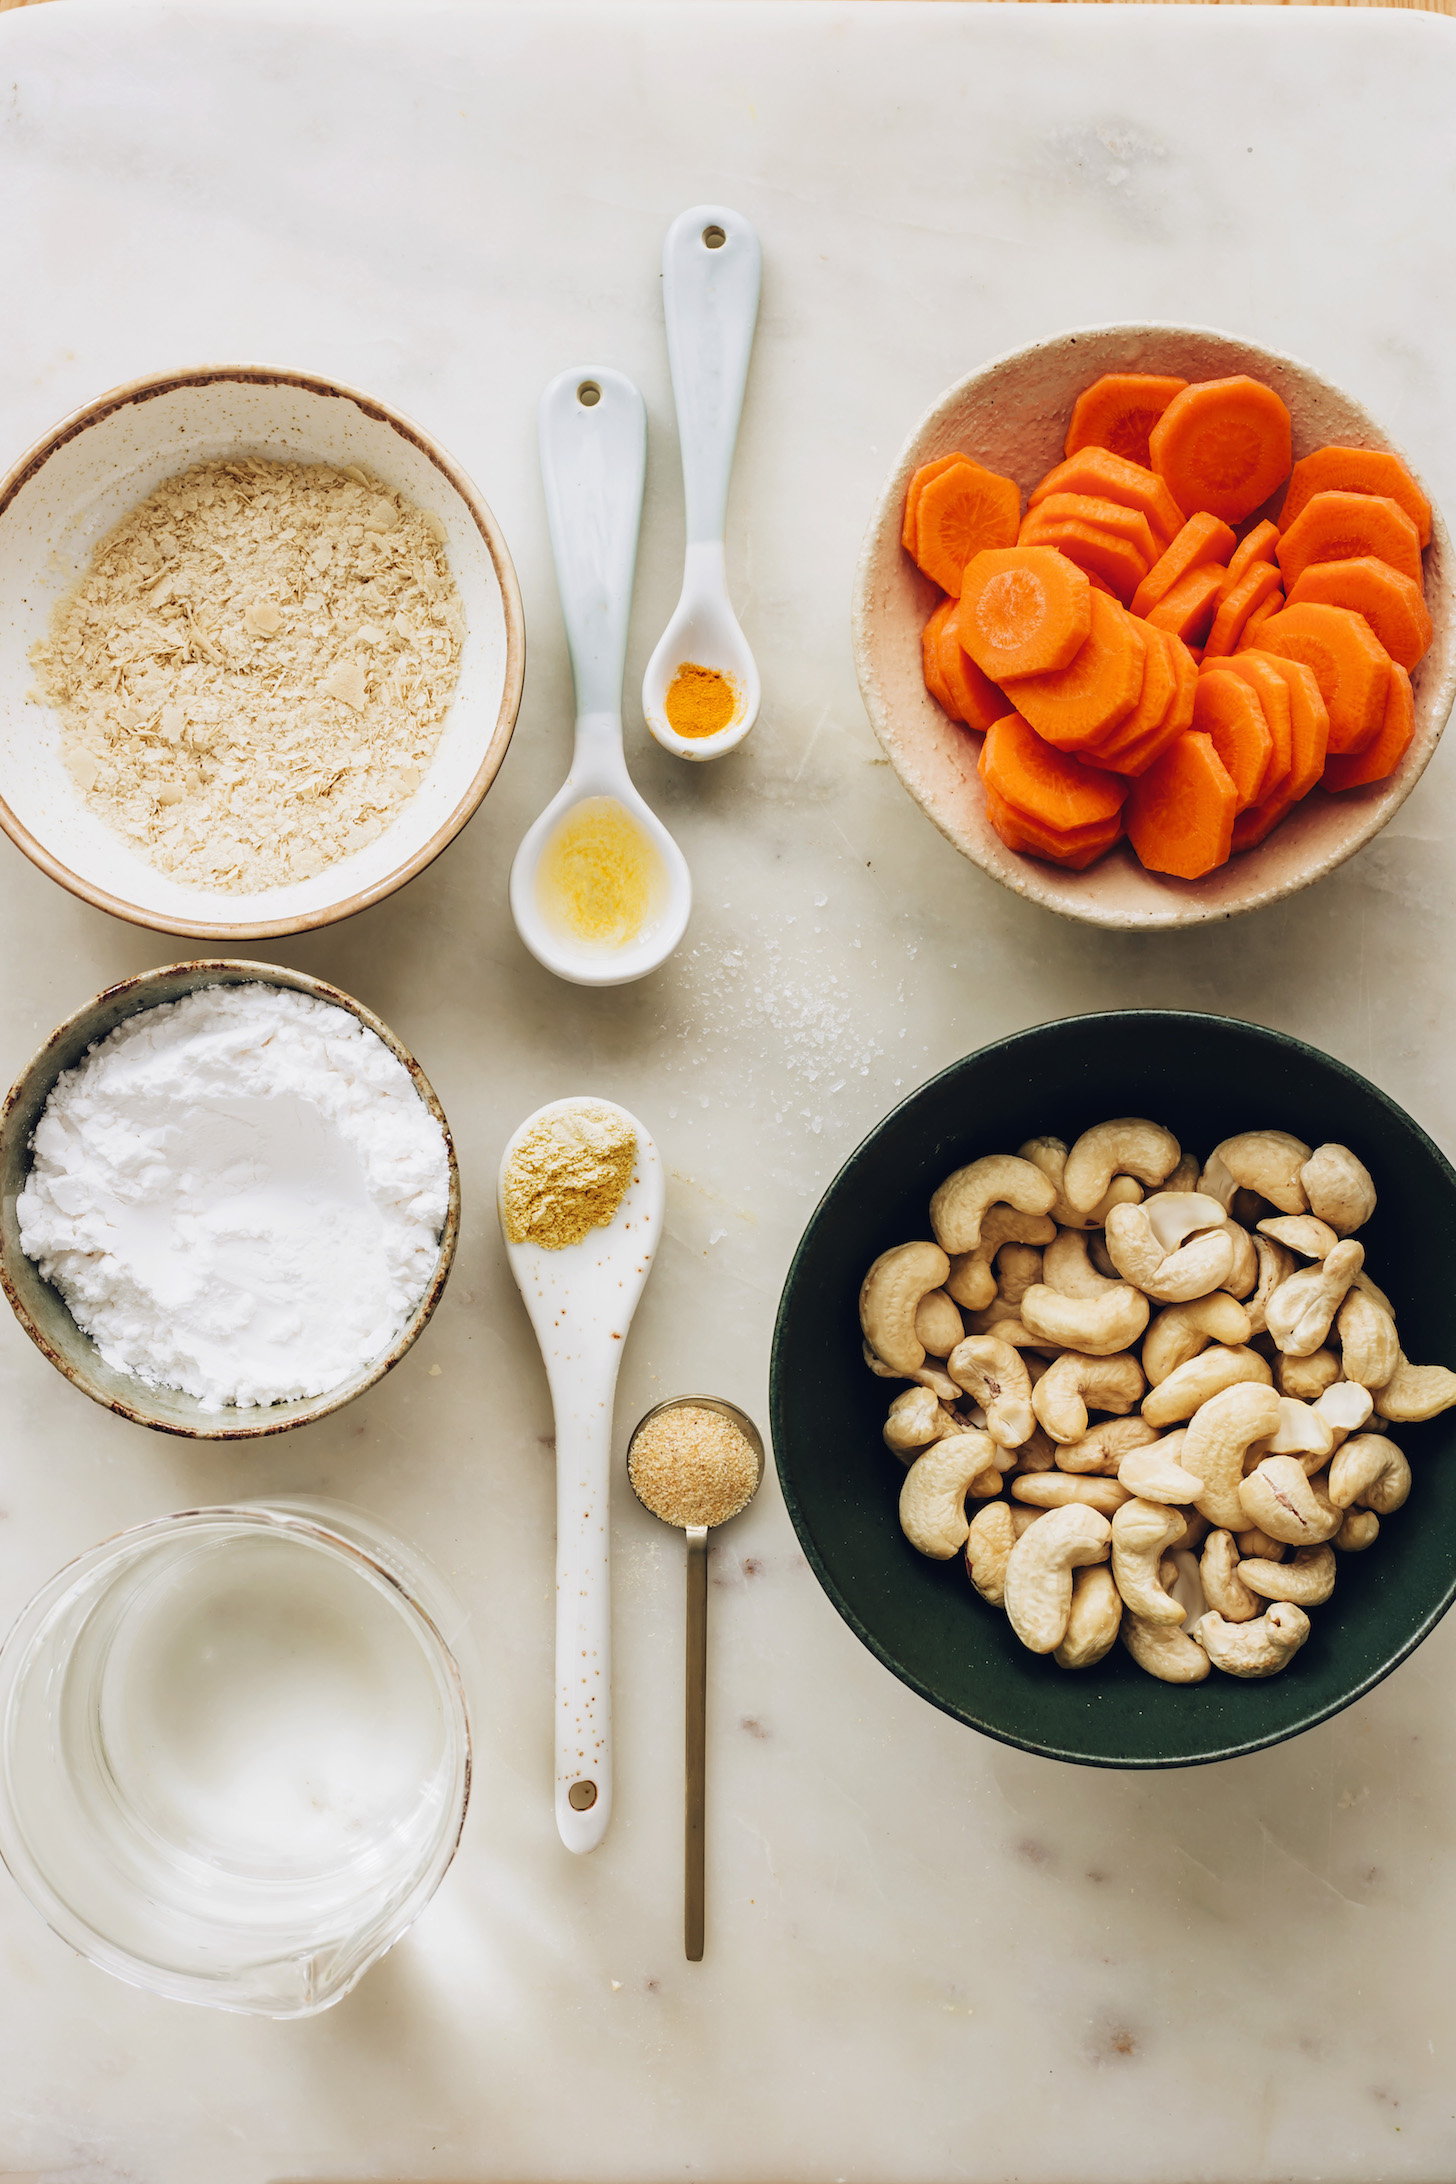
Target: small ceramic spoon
(711, 271)
(581, 1300)
(593, 432)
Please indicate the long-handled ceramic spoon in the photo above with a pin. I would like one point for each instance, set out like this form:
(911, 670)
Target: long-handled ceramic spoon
(581, 1300)
(593, 431)
(711, 272)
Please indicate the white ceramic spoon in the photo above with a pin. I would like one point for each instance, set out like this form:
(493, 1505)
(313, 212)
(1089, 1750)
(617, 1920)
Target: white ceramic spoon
(593, 432)
(711, 272)
(581, 1301)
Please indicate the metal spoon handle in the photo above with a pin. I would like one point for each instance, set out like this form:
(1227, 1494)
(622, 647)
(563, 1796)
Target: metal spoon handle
(696, 1756)
(711, 271)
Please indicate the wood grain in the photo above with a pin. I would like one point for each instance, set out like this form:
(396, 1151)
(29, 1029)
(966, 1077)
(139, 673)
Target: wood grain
(1428, 7)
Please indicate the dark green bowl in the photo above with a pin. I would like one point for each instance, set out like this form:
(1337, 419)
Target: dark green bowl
(1206, 1077)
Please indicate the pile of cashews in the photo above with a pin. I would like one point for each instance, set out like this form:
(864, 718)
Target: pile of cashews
(1153, 1496)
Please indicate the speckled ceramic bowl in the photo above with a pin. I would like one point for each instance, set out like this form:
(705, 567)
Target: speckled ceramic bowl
(1012, 416)
(41, 1310)
(65, 495)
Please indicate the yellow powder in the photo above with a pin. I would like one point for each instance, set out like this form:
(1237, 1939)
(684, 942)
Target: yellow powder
(600, 877)
(699, 700)
(692, 1466)
(568, 1175)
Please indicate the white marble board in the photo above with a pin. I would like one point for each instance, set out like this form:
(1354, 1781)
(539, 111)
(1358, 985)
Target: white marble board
(929, 1957)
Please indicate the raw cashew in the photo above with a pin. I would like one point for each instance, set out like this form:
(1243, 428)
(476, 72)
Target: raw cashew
(1067, 1268)
(916, 1419)
(1099, 1254)
(1164, 1650)
(992, 1372)
(933, 1498)
(989, 1542)
(1260, 1648)
(1018, 1268)
(890, 1298)
(1193, 1534)
(1180, 1331)
(1022, 1519)
(1220, 1434)
(1242, 1278)
(1339, 1188)
(1372, 1289)
(964, 1198)
(1414, 1392)
(1253, 1542)
(1099, 1325)
(1308, 1580)
(1185, 1390)
(1038, 1587)
(1129, 1146)
(1054, 1490)
(1050, 1155)
(1300, 1312)
(1301, 1232)
(1103, 1447)
(1302, 1431)
(1155, 1474)
(1223, 1588)
(1345, 1407)
(1037, 1454)
(1306, 1377)
(1266, 1161)
(1078, 1383)
(1372, 1471)
(1096, 1612)
(938, 1325)
(1275, 1266)
(1369, 1344)
(1166, 1274)
(1140, 1532)
(1185, 1176)
(1360, 1529)
(972, 1280)
(929, 1375)
(1282, 1502)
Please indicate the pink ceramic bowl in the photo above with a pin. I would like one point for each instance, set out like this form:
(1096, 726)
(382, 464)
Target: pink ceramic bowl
(1012, 416)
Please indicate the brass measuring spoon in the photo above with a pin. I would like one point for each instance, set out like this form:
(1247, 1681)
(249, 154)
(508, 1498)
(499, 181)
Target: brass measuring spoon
(679, 1510)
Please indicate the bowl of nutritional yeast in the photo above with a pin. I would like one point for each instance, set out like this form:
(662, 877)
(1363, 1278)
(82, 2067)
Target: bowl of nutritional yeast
(261, 651)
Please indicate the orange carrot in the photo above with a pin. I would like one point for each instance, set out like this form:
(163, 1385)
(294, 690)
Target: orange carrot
(1202, 540)
(1136, 759)
(1379, 759)
(1356, 470)
(1160, 688)
(1262, 673)
(1188, 609)
(1025, 610)
(1350, 665)
(974, 697)
(1118, 411)
(1108, 515)
(1228, 712)
(1256, 545)
(960, 512)
(1250, 632)
(1222, 446)
(1259, 583)
(1047, 785)
(1022, 834)
(1394, 607)
(1102, 475)
(1347, 527)
(917, 486)
(1094, 549)
(1180, 815)
(930, 638)
(1074, 706)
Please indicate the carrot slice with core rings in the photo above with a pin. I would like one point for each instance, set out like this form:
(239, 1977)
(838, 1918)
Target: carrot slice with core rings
(1222, 446)
(1076, 705)
(1119, 410)
(960, 512)
(1025, 610)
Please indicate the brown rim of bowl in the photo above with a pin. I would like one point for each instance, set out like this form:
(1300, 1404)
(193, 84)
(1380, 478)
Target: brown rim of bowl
(199, 972)
(264, 375)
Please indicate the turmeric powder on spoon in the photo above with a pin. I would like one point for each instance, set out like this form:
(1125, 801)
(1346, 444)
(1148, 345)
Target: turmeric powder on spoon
(700, 700)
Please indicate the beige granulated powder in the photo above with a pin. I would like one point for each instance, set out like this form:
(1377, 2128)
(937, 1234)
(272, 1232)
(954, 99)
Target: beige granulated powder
(692, 1466)
(568, 1175)
(254, 672)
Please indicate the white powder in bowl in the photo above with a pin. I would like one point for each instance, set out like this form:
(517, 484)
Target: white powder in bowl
(239, 1194)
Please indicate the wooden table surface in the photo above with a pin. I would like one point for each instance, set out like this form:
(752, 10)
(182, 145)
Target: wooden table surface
(1431, 7)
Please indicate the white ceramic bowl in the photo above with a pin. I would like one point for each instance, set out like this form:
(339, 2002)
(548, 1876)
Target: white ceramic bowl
(64, 496)
(1012, 416)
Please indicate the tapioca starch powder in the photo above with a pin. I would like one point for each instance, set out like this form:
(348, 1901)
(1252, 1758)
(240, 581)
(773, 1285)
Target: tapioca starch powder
(239, 1194)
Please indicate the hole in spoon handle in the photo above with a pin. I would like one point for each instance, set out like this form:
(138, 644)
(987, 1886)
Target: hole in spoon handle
(695, 1778)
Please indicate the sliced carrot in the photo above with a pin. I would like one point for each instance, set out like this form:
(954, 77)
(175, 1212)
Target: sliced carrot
(1118, 411)
(1188, 609)
(1049, 786)
(1262, 673)
(1075, 706)
(1380, 758)
(1098, 472)
(1180, 815)
(1097, 551)
(1394, 607)
(1202, 540)
(1347, 527)
(1256, 545)
(917, 486)
(1222, 446)
(1228, 712)
(1250, 633)
(1020, 833)
(974, 697)
(1349, 663)
(1135, 758)
(1109, 515)
(1252, 826)
(1024, 610)
(930, 638)
(960, 512)
(1259, 583)
(1309, 725)
(1356, 470)
(1160, 687)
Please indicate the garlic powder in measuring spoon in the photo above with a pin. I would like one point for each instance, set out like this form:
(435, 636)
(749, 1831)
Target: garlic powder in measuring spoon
(239, 1194)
